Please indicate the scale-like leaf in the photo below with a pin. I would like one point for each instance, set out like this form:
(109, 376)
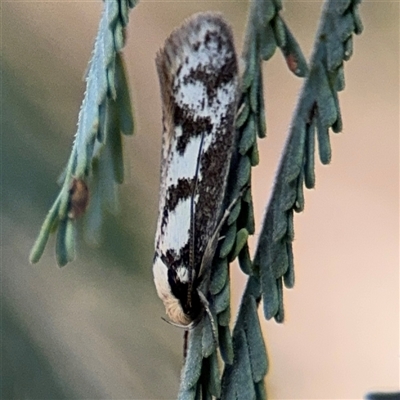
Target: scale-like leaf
(106, 111)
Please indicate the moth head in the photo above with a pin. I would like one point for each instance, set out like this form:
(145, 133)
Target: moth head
(170, 285)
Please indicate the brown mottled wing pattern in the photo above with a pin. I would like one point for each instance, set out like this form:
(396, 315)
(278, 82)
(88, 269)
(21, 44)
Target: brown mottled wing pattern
(198, 76)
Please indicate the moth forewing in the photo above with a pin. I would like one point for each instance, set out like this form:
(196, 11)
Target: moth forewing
(197, 68)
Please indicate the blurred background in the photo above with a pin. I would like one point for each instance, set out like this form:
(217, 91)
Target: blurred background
(93, 329)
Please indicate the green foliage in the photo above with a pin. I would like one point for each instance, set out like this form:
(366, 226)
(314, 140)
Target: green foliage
(96, 157)
(317, 110)
(383, 396)
(96, 160)
(244, 377)
(243, 352)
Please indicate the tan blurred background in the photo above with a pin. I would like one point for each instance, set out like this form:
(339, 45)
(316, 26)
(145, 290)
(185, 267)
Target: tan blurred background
(93, 329)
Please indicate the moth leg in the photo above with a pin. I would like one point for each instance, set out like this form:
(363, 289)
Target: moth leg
(206, 306)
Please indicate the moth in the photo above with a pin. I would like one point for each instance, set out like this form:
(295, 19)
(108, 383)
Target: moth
(198, 76)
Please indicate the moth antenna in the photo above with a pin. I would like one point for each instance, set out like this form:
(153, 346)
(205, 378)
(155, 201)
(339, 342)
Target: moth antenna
(192, 229)
(206, 305)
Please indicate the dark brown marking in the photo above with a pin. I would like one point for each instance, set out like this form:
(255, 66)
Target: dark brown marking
(78, 198)
(192, 126)
(181, 191)
(212, 80)
(214, 165)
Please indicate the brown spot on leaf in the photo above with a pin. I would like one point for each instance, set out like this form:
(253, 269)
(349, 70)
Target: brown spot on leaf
(78, 198)
(291, 62)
